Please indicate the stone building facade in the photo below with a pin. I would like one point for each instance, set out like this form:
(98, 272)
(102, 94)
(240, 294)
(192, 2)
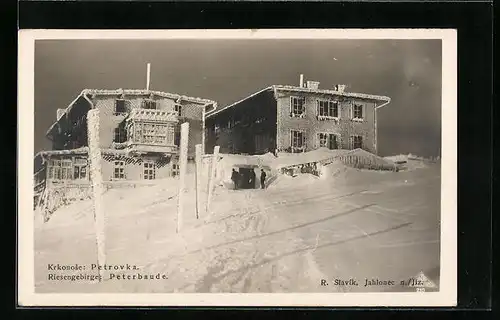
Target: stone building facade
(139, 134)
(300, 118)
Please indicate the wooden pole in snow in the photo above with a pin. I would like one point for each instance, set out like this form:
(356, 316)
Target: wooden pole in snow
(198, 159)
(211, 175)
(182, 172)
(97, 187)
(148, 76)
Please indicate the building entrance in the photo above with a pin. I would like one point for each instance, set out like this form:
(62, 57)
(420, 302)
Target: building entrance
(247, 179)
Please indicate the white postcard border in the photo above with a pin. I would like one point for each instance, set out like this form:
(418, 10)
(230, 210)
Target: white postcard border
(447, 296)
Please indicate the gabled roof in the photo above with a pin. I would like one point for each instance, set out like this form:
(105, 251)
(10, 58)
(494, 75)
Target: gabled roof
(363, 96)
(216, 111)
(131, 92)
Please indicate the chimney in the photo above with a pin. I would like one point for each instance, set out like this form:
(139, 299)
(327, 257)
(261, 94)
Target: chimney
(60, 113)
(148, 76)
(313, 84)
(301, 83)
(340, 87)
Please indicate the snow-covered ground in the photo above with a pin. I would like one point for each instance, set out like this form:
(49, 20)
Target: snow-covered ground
(287, 238)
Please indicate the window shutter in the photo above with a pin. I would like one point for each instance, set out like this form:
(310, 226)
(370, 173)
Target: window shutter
(351, 111)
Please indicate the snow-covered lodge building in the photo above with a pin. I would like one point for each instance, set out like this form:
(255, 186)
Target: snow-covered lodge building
(282, 118)
(139, 134)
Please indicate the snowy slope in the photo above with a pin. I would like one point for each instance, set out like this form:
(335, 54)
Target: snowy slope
(354, 223)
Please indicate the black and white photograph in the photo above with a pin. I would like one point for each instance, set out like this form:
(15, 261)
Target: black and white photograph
(252, 167)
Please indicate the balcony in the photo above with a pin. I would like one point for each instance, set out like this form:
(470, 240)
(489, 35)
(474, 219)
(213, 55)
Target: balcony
(141, 146)
(150, 131)
(152, 115)
(151, 148)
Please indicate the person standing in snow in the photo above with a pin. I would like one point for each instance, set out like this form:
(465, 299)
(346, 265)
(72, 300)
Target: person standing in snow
(252, 179)
(235, 178)
(262, 178)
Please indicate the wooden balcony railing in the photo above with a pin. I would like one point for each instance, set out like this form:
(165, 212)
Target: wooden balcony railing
(139, 114)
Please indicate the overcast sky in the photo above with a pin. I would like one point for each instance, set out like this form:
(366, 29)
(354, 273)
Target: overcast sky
(408, 71)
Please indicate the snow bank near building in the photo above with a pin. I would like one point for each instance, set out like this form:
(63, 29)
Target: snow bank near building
(118, 201)
(284, 239)
(317, 163)
(228, 162)
(409, 161)
(292, 159)
(333, 169)
(284, 181)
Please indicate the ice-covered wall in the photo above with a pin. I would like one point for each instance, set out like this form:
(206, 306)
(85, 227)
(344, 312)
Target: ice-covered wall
(109, 120)
(134, 166)
(190, 112)
(344, 127)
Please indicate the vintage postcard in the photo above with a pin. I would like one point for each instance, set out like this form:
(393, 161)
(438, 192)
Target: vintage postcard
(237, 167)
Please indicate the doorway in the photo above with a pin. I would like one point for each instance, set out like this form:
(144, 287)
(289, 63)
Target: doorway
(247, 180)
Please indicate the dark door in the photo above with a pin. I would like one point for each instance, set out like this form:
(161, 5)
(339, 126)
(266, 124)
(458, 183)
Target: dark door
(245, 179)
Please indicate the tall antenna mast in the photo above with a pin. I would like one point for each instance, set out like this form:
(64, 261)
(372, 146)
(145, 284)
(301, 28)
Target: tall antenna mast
(148, 75)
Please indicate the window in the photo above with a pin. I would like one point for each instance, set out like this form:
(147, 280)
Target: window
(177, 138)
(60, 169)
(178, 109)
(323, 140)
(298, 140)
(357, 142)
(120, 134)
(149, 170)
(66, 167)
(327, 140)
(328, 109)
(149, 133)
(120, 107)
(297, 108)
(148, 104)
(357, 111)
(333, 143)
(50, 173)
(119, 170)
(80, 168)
(175, 169)
(54, 171)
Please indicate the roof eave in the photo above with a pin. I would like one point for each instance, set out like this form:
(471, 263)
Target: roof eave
(332, 92)
(215, 112)
(148, 92)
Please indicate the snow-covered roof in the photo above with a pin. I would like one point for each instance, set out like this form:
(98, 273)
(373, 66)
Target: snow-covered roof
(285, 159)
(82, 150)
(216, 111)
(334, 92)
(147, 92)
(292, 159)
(275, 88)
(131, 92)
